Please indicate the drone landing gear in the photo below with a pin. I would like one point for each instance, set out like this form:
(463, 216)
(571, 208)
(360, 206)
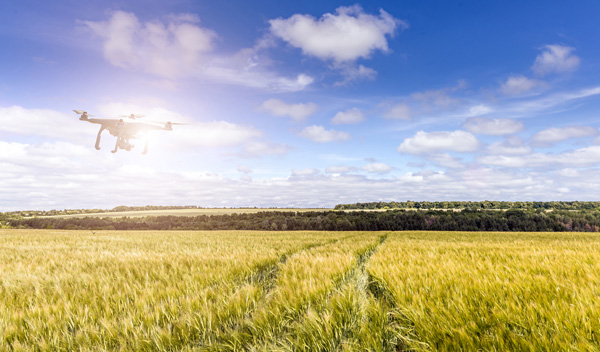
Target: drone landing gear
(98, 137)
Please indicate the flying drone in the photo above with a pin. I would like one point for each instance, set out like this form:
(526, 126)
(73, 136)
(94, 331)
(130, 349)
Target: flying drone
(125, 130)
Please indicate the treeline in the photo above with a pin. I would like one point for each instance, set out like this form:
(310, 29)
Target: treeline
(394, 220)
(486, 204)
(53, 212)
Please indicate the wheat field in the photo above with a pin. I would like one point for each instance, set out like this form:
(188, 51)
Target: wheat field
(298, 291)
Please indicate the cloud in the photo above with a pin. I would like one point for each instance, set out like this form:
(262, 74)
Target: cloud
(555, 59)
(517, 85)
(350, 116)
(321, 135)
(42, 122)
(244, 169)
(180, 48)
(215, 134)
(432, 99)
(255, 148)
(304, 172)
(378, 168)
(352, 72)
(512, 145)
(492, 127)
(478, 110)
(426, 102)
(345, 36)
(171, 50)
(526, 108)
(424, 142)
(398, 112)
(298, 111)
(446, 160)
(339, 169)
(588, 156)
(553, 135)
(77, 177)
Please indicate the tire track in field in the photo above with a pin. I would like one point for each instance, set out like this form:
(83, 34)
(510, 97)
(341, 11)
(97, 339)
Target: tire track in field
(399, 330)
(264, 275)
(356, 279)
(340, 282)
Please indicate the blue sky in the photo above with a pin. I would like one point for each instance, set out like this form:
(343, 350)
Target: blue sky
(300, 104)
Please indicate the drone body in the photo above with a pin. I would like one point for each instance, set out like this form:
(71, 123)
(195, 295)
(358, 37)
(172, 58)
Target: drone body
(124, 131)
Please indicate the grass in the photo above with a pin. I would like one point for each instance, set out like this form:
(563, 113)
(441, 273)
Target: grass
(298, 291)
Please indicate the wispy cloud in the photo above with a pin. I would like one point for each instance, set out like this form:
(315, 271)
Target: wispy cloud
(431, 142)
(298, 111)
(493, 127)
(321, 135)
(555, 59)
(350, 116)
(181, 48)
(553, 135)
(378, 168)
(519, 84)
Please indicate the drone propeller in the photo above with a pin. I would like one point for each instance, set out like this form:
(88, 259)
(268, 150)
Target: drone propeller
(168, 123)
(133, 116)
(81, 112)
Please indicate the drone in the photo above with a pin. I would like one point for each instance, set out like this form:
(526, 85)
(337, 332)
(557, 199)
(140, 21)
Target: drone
(124, 131)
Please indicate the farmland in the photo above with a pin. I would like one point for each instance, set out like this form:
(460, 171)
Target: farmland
(302, 290)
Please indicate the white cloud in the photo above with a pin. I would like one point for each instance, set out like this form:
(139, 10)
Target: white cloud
(321, 135)
(583, 157)
(399, 111)
(525, 108)
(555, 59)
(553, 135)
(216, 134)
(424, 142)
(43, 156)
(347, 35)
(339, 169)
(517, 85)
(350, 116)
(255, 148)
(379, 168)
(298, 111)
(426, 102)
(104, 180)
(304, 172)
(170, 50)
(244, 169)
(492, 127)
(351, 72)
(181, 48)
(479, 110)
(511, 146)
(151, 113)
(569, 172)
(432, 99)
(41, 122)
(446, 160)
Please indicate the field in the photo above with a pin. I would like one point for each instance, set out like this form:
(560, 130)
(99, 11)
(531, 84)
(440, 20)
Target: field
(299, 291)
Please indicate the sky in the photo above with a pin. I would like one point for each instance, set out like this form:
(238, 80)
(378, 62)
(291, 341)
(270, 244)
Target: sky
(299, 103)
